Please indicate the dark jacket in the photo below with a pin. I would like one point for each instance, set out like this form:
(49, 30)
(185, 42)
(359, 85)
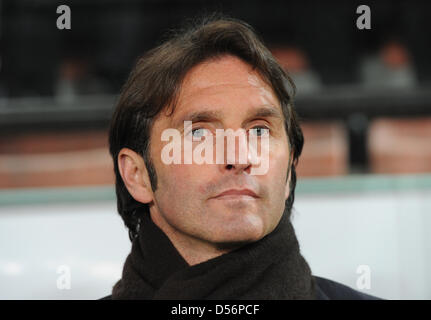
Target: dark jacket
(328, 290)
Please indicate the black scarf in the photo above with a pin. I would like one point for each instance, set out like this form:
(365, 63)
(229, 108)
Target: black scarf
(271, 268)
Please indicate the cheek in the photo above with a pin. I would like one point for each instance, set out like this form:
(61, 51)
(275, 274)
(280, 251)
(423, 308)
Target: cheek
(183, 181)
(279, 157)
(172, 177)
(172, 195)
(278, 170)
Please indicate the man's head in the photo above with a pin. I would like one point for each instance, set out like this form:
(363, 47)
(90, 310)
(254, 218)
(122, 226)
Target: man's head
(219, 75)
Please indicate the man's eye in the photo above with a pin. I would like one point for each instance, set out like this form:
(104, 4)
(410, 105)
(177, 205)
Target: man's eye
(200, 132)
(260, 131)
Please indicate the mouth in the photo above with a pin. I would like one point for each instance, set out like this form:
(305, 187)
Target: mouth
(237, 194)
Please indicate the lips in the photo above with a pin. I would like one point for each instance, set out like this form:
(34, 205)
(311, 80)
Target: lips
(232, 193)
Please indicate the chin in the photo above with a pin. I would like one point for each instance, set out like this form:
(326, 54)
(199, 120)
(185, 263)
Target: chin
(244, 229)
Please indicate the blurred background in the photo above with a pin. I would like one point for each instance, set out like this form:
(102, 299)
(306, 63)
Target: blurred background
(363, 96)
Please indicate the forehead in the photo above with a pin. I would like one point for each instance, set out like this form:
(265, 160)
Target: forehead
(222, 72)
(223, 82)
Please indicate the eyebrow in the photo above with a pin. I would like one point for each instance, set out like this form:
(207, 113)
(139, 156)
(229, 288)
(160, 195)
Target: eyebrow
(266, 111)
(199, 116)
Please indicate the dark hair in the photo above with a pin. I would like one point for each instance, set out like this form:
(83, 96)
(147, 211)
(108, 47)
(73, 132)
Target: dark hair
(155, 82)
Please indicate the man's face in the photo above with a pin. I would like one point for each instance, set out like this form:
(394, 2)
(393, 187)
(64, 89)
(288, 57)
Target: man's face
(187, 200)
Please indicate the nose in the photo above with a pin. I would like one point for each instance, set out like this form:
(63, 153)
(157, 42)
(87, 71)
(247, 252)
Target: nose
(237, 167)
(237, 157)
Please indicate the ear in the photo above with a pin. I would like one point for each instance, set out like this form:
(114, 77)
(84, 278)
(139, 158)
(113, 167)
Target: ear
(135, 176)
(287, 187)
